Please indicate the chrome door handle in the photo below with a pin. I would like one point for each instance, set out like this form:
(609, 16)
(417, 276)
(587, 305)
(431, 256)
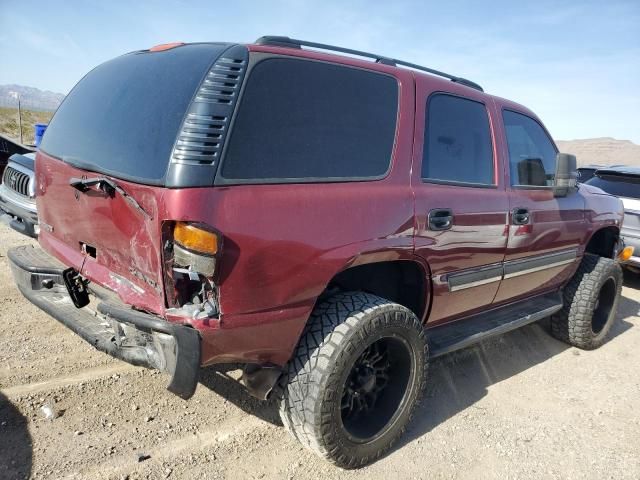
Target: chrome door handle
(440, 219)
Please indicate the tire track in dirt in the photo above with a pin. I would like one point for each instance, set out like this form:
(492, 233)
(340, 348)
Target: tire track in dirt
(83, 376)
(225, 432)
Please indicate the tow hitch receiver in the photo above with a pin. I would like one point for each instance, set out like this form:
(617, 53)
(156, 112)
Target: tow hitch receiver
(77, 287)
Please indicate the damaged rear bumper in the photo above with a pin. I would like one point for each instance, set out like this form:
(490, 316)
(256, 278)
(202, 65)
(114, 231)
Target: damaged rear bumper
(111, 327)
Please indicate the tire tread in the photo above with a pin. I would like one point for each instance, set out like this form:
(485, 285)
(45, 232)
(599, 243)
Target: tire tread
(332, 330)
(572, 324)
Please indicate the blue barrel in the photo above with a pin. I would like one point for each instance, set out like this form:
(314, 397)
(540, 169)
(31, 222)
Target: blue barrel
(39, 129)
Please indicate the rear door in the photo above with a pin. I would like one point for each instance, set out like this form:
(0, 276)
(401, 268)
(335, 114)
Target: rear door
(461, 204)
(545, 231)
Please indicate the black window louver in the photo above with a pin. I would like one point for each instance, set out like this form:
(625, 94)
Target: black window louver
(206, 124)
(16, 180)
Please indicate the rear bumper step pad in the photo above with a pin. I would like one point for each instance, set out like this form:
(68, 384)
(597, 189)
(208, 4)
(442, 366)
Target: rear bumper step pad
(136, 337)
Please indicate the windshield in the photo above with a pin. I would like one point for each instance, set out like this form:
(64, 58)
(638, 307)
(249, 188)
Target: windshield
(123, 117)
(619, 185)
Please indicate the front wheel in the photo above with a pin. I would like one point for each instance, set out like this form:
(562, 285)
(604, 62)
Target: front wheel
(590, 303)
(355, 379)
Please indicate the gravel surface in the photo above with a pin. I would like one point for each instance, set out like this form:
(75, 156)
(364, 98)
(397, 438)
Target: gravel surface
(522, 405)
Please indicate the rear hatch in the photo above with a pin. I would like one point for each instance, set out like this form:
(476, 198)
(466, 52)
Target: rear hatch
(129, 130)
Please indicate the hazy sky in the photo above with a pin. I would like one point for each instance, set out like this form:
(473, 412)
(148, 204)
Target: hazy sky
(576, 64)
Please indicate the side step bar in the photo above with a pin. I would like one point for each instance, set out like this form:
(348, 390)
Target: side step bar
(464, 333)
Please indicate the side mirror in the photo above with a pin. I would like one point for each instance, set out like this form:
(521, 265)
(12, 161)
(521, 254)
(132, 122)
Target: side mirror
(566, 175)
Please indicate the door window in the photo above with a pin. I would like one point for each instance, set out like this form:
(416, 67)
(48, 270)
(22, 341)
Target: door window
(457, 142)
(532, 155)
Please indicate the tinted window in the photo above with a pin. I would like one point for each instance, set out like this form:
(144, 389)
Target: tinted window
(532, 156)
(457, 143)
(309, 120)
(618, 185)
(123, 117)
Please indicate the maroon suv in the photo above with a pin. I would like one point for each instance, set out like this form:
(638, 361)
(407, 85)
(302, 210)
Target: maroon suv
(329, 222)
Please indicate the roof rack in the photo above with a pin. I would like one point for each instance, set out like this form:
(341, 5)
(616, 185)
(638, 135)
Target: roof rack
(277, 41)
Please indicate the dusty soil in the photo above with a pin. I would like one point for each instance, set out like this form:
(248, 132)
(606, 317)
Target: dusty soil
(518, 406)
(9, 123)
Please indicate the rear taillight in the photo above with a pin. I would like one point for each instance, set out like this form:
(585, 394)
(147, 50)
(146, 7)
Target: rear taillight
(191, 253)
(195, 248)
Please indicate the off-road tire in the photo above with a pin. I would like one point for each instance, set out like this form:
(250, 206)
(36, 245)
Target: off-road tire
(578, 323)
(339, 330)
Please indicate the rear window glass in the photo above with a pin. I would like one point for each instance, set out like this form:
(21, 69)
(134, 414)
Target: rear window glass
(123, 117)
(303, 121)
(618, 185)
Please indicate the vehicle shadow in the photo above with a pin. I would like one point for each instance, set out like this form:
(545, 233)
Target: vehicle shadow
(631, 279)
(223, 380)
(16, 449)
(459, 380)
(456, 381)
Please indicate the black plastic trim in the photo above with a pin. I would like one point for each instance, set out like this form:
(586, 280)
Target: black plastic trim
(459, 281)
(185, 170)
(521, 266)
(473, 277)
(459, 184)
(463, 333)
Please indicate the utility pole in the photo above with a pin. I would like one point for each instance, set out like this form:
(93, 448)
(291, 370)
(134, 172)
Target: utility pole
(20, 119)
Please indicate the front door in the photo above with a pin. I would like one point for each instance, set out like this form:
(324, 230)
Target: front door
(544, 231)
(461, 203)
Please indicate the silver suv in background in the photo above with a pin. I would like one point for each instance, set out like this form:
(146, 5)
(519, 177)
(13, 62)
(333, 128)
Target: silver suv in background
(18, 195)
(624, 183)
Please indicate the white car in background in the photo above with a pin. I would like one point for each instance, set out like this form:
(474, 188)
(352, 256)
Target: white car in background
(624, 183)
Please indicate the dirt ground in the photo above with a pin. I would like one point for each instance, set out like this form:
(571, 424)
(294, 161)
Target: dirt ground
(518, 406)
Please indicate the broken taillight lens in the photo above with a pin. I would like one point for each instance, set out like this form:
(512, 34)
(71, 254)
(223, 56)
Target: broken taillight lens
(195, 248)
(191, 254)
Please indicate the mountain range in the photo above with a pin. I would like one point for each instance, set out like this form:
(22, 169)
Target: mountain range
(602, 151)
(30, 98)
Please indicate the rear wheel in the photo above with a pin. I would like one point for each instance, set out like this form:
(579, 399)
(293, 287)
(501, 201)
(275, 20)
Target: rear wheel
(356, 377)
(590, 303)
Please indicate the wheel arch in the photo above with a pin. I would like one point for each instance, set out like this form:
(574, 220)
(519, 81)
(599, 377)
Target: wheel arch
(404, 280)
(604, 242)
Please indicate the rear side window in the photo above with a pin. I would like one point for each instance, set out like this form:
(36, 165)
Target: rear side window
(619, 185)
(310, 121)
(532, 156)
(457, 142)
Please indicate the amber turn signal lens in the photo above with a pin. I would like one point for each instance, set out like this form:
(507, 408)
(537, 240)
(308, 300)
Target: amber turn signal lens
(195, 239)
(625, 254)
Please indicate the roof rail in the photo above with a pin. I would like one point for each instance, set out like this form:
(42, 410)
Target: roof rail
(277, 41)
